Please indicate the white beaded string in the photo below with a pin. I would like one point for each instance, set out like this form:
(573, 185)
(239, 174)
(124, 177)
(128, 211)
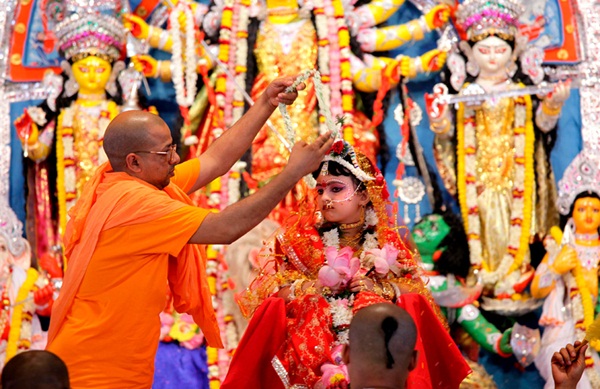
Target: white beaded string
(323, 110)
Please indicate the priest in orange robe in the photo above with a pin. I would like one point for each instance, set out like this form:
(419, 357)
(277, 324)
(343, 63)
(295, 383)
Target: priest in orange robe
(134, 229)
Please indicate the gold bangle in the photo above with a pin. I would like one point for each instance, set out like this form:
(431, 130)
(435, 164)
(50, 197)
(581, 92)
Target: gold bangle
(440, 127)
(165, 71)
(415, 29)
(311, 290)
(378, 290)
(296, 288)
(548, 110)
(388, 290)
(154, 36)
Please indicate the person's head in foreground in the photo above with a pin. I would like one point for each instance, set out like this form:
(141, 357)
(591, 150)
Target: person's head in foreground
(381, 351)
(140, 144)
(35, 369)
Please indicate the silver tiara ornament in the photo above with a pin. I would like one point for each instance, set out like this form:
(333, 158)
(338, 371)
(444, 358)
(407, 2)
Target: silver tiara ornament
(11, 230)
(479, 17)
(91, 27)
(339, 151)
(582, 175)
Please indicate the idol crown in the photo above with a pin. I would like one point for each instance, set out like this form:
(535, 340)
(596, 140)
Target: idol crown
(91, 29)
(582, 175)
(481, 18)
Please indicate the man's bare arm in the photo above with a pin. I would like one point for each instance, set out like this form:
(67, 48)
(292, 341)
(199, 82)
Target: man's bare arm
(229, 147)
(237, 219)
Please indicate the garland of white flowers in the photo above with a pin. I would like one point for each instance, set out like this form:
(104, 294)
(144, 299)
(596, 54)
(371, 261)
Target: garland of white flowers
(323, 110)
(184, 95)
(332, 238)
(242, 13)
(323, 105)
(341, 315)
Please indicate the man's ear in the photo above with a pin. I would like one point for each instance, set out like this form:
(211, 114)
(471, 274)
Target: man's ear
(346, 354)
(132, 163)
(413, 360)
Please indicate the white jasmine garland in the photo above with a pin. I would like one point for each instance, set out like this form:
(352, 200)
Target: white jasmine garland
(370, 242)
(341, 315)
(371, 218)
(184, 95)
(331, 238)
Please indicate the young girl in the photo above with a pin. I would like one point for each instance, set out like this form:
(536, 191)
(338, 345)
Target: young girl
(322, 267)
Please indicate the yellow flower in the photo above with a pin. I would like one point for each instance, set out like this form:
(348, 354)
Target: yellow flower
(183, 329)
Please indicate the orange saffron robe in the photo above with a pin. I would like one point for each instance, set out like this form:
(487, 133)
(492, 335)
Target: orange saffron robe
(124, 241)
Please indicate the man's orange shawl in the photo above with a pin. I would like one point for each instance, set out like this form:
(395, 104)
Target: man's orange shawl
(124, 240)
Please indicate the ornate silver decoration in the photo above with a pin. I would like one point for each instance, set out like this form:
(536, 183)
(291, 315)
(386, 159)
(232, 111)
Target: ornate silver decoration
(11, 229)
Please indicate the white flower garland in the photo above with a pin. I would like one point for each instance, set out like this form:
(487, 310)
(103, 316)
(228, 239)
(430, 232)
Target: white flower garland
(242, 11)
(332, 238)
(324, 110)
(341, 315)
(323, 105)
(184, 96)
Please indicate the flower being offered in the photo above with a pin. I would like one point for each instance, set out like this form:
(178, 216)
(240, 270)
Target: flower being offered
(339, 268)
(384, 260)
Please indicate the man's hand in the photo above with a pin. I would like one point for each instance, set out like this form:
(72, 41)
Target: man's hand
(568, 366)
(275, 92)
(306, 158)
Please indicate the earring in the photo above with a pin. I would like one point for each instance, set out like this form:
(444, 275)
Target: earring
(472, 67)
(511, 68)
(71, 85)
(111, 85)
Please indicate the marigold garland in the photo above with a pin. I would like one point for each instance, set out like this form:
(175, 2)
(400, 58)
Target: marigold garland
(583, 314)
(16, 319)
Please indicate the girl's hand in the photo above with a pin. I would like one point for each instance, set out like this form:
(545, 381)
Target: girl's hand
(360, 283)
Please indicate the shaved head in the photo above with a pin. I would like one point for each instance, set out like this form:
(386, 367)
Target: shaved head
(35, 369)
(382, 344)
(129, 132)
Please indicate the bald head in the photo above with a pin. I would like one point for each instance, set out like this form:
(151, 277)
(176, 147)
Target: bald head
(129, 132)
(35, 369)
(382, 343)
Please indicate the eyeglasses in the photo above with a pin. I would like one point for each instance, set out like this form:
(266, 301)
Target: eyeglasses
(171, 153)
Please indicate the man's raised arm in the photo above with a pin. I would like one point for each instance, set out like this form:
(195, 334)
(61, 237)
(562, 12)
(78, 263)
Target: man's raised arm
(237, 219)
(229, 147)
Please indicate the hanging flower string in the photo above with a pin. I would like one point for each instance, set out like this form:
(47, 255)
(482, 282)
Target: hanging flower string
(323, 108)
(185, 95)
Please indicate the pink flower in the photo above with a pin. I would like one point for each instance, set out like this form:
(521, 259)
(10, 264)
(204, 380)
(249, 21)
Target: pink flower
(333, 374)
(193, 343)
(385, 259)
(166, 321)
(340, 267)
